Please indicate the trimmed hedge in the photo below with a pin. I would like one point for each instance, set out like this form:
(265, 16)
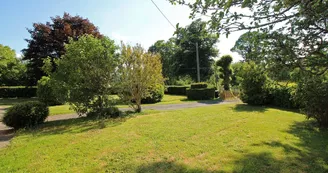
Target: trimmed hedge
(198, 85)
(177, 90)
(155, 96)
(28, 114)
(13, 92)
(201, 94)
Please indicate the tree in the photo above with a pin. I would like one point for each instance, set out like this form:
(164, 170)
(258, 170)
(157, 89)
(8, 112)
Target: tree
(11, 69)
(48, 40)
(186, 38)
(140, 73)
(264, 50)
(253, 85)
(224, 62)
(299, 27)
(168, 51)
(86, 74)
(312, 93)
(249, 46)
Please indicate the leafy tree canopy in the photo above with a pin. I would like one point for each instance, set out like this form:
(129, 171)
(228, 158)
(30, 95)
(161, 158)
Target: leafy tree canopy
(86, 74)
(298, 28)
(186, 38)
(167, 50)
(48, 40)
(140, 73)
(11, 68)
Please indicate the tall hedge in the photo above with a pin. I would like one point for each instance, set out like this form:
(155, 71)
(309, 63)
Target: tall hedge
(201, 94)
(177, 90)
(20, 91)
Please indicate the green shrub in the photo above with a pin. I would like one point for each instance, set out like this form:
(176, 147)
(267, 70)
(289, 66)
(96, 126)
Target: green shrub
(45, 92)
(28, 114)
(177, 90)
(198, 85)
(312, 94)
(282, 96)
(253, 86)
(110, 112)
(17, 91)
(201, 94)
(155, 96)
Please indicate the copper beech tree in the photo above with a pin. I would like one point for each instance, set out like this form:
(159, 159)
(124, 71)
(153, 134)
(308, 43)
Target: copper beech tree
(49, 39)
(140, 72)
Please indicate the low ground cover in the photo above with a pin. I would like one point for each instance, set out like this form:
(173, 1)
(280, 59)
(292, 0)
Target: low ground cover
(220, 138)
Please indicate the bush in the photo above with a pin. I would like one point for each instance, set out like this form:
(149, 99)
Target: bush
(45, 92)
(177, 90)
(312, 94)
(201, 94)
(198, 85)
(282, 96)
(253, 86)
(155, 96)
(110, 112)
(28, 114)
(17, 91)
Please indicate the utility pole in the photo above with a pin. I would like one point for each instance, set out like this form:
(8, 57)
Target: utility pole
(197, 59)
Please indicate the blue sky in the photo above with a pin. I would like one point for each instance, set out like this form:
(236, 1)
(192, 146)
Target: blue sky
(132, 21)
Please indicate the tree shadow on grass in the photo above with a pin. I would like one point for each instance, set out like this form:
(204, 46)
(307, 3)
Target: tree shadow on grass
(248, 108)
(310, 154)
(169, 166)
(76, 125)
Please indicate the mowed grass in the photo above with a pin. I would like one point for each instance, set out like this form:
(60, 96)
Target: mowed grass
(220, 138)
(167, 99)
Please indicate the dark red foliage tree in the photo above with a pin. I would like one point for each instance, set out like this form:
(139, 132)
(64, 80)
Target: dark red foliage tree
(48, 40)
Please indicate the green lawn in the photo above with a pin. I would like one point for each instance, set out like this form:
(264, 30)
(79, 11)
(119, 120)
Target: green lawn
(167, 99)
(13, 101)
(220, 138)
(64, 109)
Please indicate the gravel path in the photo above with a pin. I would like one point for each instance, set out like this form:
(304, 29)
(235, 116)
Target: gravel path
(7, 133)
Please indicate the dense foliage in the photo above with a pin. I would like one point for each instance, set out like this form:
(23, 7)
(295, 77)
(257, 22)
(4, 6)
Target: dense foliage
(48, 40)
(177, 90)
(312, 94)
(296, 29)
(11, 69)
(17, 92)
(156, 95)
(186, 38)
(198, 85)
(201, 94)
(86, 73)
(253, 86)
(45, 92)
(139, 73)
(168, 51)
(28, 114)
(225, 63)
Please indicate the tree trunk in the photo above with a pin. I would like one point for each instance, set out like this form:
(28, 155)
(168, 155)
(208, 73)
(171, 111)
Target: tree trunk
(138, 102)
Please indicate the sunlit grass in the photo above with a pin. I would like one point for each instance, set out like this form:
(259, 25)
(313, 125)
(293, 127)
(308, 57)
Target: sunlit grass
(167, 99)
(220, 138)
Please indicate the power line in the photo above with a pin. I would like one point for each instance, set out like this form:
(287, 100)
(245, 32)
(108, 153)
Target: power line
(163, 14)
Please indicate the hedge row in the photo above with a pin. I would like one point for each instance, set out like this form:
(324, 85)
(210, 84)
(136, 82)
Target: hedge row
(201, 94)
(198, 85)
(13, 92)
(177, 90)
